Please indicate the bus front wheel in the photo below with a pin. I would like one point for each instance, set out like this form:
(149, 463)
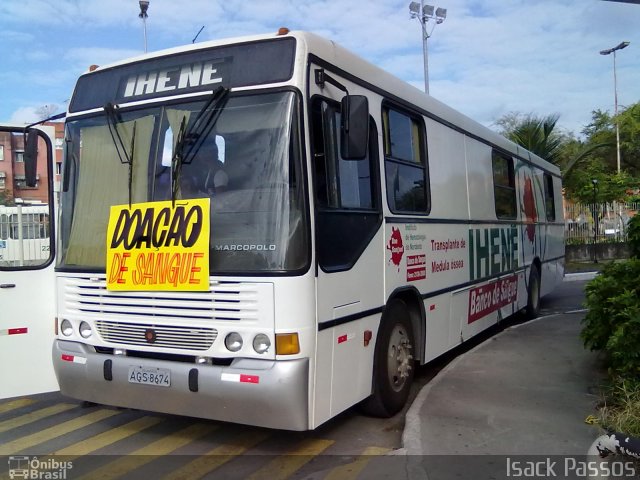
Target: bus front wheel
(393, 362)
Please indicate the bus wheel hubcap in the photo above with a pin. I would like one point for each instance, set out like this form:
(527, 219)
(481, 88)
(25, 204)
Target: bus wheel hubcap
(399, 358)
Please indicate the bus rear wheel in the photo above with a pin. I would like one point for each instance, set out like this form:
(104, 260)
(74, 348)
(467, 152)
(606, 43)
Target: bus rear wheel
(393, 362)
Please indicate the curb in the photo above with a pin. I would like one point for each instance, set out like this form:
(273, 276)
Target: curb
(575, 277)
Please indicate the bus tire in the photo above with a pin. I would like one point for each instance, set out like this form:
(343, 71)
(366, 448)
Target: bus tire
(393, 365)
(533, 297)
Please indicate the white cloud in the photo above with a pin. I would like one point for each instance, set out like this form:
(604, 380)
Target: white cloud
(488, 58)
(24, 115)
(83, 57)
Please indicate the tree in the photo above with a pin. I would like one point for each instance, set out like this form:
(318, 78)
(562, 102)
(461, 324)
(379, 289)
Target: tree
(629, 125)
(6, 198)
(538, 135)
(46, 111)
(583, 160)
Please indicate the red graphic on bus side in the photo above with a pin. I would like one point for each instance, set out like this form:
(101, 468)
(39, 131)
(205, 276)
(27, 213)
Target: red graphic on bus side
(395, 246)
(530, 210)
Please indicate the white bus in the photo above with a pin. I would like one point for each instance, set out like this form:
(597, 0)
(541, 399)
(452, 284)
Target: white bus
(27, 280)
(359, 227)
(24, 234)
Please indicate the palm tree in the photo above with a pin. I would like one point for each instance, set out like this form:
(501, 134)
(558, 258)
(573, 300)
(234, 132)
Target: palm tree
(538, 135)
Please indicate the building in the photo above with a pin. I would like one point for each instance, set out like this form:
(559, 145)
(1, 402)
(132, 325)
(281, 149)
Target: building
(13, 188)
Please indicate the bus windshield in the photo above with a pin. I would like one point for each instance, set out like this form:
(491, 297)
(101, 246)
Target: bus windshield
(246, 159)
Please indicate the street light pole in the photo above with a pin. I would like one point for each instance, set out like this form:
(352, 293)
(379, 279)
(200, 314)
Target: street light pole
(425, 50)
(144, 6)
(424, 13)
(595, 220)
(615, 94)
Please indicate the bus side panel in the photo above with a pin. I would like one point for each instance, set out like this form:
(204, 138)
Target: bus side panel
(27, 332)
(479, 180)
(27, 296)
(323, 374)
(530, 194)
(447, 172)
(341, 297)
(555, 240)
(438, 339)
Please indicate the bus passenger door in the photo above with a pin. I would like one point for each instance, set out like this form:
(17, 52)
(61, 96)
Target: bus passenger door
(26, 262)
(348, 242)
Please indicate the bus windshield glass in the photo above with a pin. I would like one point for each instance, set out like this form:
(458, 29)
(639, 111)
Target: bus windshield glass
(245, 156)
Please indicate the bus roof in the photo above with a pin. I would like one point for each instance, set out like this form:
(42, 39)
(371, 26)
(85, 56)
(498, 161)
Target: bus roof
(361, 71)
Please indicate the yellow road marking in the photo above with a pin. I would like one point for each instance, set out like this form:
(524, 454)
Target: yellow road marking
(353, 469)
(50, 433)
(215, 458)
(286, 465)
(109, 437)
(144, 455)
(27, 418)
(13, 404)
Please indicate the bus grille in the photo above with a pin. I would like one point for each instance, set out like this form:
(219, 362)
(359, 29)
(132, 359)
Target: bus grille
(168, 336)
(225, 301)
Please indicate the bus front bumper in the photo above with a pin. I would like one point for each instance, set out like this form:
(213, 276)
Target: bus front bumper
(265, 393)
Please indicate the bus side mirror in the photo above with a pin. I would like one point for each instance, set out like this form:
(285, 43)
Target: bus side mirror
(31, 158)
(354, 131)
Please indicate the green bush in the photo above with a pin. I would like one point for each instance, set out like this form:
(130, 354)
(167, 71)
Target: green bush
(612, 324)
(633, 236)
(620, 411)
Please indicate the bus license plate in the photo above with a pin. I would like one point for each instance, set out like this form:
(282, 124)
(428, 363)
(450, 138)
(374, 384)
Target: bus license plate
(150, 376)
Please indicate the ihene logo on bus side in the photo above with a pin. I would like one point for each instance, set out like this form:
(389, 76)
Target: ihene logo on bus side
(492, 251)
(159, 246)
(177, 78)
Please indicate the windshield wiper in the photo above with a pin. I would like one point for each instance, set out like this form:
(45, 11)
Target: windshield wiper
(189, 141)
(113, 120)
(177, 161)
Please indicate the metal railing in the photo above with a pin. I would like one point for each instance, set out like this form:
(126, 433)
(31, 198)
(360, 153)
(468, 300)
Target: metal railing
(597, 223)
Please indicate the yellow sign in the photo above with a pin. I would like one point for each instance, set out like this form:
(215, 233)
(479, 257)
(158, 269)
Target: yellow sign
(157, 246)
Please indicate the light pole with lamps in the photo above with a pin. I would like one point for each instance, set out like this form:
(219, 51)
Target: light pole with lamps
(594, 182)
(615, 93)
(144, 6)
(424, 13)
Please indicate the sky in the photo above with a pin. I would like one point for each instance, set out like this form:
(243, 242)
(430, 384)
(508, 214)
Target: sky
(488, 58)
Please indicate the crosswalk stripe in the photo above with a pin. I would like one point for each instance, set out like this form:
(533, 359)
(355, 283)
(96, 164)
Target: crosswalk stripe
(27, 418)
(286, 465)
(56, 431)
(13, 404)
(350, 471)
(109, 437)
(215, 458)
(144, 455)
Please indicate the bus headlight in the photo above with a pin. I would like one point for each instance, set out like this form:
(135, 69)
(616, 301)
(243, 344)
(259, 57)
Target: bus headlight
(85, 330)
(261, 343)
(233, 342)
(66, 328)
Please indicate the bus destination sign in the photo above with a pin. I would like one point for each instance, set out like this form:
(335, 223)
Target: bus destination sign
(253, 63)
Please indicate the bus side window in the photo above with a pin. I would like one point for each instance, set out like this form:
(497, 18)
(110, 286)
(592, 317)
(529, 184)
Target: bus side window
(344, 184)
(405, 162)
(346, 191)
(504, 185)
(25, 237)
(4, 226)
(549, 200)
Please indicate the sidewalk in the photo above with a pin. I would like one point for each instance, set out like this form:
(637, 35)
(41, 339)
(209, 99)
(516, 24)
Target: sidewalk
(525, 391)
